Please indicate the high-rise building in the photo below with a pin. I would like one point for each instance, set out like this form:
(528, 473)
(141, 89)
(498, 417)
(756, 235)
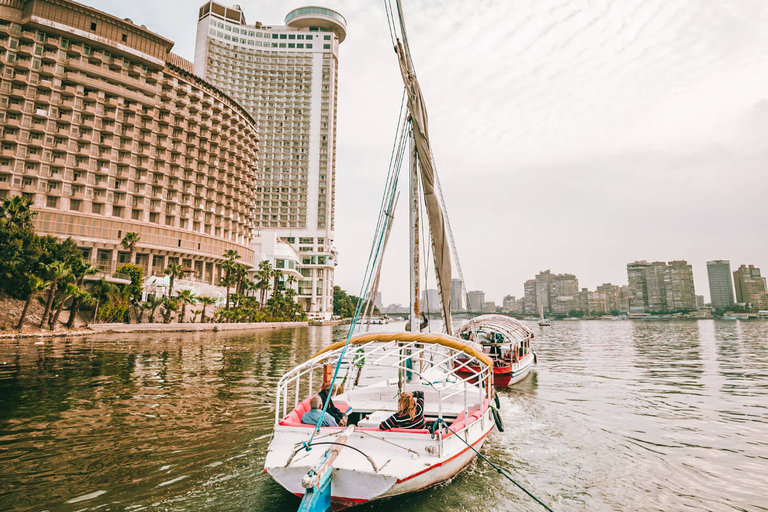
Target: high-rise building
(430, 300)
(107, 132)
(699, 301)
(720, 284)
(457, 295)
(638, 286)
(530, 298)
(286, 77)
(476, 301)
(509, 304)
(678, 281)
(750, 287)
(655, 287)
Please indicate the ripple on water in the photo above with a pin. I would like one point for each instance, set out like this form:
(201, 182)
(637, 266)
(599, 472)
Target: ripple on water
(617, 416)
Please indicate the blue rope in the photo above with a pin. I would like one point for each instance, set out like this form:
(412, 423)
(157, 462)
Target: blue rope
(378, 240)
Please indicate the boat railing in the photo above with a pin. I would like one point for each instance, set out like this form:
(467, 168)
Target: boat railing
(409, 361)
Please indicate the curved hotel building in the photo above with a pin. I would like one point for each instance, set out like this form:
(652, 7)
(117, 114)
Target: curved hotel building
(108, 132)
(286, 77)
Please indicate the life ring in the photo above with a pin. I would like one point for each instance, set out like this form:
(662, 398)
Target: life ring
(497, 419)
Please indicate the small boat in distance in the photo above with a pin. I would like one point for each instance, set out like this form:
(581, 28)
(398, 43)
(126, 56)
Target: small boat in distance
(507, 341)
(543, 322)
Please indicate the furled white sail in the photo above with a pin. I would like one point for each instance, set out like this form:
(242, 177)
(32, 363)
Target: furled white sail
(419, 124)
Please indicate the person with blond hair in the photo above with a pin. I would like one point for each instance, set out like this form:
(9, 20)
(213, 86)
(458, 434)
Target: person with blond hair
(410, 412)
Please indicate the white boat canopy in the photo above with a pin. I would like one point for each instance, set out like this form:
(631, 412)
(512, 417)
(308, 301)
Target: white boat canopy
(511, 328)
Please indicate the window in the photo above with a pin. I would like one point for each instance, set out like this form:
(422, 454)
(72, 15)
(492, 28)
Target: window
(135, 214)
(309, 45)
(154, 217)
(117, 211)
(326, 47)
(97, 208)
(93, 25)
(75, 205)
(125, 38)
(52, 202)
(283, 36)
(327, 38)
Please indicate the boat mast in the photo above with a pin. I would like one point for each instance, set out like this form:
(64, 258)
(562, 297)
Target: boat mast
(415, 312)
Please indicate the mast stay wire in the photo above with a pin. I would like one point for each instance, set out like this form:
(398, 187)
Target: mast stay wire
(373, 257)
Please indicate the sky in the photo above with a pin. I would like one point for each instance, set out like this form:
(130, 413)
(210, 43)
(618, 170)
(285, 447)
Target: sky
(575, 136)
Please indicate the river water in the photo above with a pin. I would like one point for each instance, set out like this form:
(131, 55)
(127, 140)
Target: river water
(623, 415)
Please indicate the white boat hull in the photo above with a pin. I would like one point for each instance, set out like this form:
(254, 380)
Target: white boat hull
(399, 471)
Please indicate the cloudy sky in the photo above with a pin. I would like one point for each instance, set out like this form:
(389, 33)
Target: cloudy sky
(569, 135)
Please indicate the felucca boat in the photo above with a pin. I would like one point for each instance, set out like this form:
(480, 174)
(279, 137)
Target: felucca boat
(345, 466)
(507, 341)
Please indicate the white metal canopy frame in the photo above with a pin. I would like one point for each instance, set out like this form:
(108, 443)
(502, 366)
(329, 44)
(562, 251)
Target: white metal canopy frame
(388, 359)
(513, 329)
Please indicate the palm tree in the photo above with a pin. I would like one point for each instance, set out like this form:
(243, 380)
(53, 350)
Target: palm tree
(100, 289)
(169, 306)
(129, 242)
(153, 302)
(70, 290)
(230, 255)
(264, 275)
(205, 301)
(185, 297)
(18, 212)
(80, 298)
(175, 271)
(57, 271)
(36, 285)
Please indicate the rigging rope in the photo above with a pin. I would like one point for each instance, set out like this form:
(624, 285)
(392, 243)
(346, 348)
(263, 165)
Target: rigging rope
(494, 466)
(370, 269)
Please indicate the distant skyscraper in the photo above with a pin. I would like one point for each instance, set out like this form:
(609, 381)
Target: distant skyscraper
(457, 295)
(720, 284)
(530, 298)
(430, 301)
(678, 281)
(699, 301)
(655, 287)
(750, 287)
(476, 301)
(379, 302)
(509, 304)
(286, 77)
(638, 286)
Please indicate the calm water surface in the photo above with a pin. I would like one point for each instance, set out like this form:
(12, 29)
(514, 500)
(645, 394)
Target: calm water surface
(617, 416)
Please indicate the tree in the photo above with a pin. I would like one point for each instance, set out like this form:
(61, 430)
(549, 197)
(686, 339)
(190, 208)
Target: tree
(129, 242)
(153, 302)
(229, 265)
(343, 306)
(136, 273)
(169, 306)
(100, 291)
(80, 298)
(185, 297)
(264, 276)
(69, 291)
(56, 271)
(205, 301)
(175, 271)
(36, 285)
(17, 211)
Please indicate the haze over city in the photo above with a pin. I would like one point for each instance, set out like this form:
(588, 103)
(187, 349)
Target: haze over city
(576, 138)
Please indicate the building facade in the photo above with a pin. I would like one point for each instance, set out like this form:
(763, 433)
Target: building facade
(476, 300)
(107, 132)
(457, 295)
(286, 77)
(750, 287)
(680, 291)
(638, 286)
(720, 284)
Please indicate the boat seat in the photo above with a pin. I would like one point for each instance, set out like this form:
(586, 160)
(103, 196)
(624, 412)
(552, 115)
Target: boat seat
(293, 418)
(459, 423)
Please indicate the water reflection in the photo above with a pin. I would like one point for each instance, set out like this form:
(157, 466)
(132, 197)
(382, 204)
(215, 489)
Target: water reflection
(617, 416)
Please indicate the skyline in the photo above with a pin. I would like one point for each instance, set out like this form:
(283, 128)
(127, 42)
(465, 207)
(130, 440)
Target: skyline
(541, 103)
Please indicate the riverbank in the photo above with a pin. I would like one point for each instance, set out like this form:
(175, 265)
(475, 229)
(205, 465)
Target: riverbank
(190, 327)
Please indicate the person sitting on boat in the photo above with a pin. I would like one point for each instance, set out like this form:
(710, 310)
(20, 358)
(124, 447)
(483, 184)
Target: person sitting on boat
(410, 412)
(340, 417)
(316, 412)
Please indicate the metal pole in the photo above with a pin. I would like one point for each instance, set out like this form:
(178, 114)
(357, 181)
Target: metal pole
(414, 246)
